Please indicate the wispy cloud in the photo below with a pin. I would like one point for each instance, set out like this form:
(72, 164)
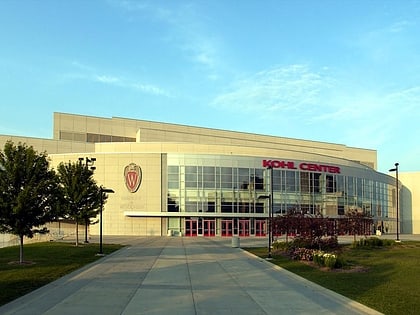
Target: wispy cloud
(184, 30)
(371, 119)
(107, 79)
(128, 84)
(89, 73)
(292, 88)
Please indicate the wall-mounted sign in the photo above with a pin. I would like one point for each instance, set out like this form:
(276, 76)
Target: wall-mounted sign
(290, 165)
(132, 177)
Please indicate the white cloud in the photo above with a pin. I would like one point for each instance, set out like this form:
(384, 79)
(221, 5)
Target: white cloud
(399, 26)
(292, 88)
(150, 89)
(107, 79)
(184, 29)
(88, 73)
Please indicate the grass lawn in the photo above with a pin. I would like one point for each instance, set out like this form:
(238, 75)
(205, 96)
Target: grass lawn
(46, 262)
(389, 281)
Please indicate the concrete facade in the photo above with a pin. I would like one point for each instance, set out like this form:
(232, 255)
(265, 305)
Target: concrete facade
(200, 181)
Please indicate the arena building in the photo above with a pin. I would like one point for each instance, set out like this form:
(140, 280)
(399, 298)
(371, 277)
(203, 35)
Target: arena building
(172, 179)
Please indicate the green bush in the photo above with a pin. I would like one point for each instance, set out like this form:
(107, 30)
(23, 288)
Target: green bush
(329, 260)
(324, 243)
(372, 242)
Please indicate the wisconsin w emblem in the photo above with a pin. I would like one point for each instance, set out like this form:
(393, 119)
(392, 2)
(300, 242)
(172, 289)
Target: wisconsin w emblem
(132, 176)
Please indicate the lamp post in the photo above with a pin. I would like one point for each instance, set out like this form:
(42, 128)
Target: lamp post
(270, 211)
(270, 224)
(102, 190)
(397, 199)
(88, 163)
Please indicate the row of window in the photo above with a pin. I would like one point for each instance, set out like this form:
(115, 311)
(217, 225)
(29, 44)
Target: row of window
(237, 190)
(206, 177)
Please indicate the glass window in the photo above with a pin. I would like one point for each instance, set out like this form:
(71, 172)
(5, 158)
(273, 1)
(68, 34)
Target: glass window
(350, 186)
(209, 179)
(172, 169)
(330, 184)
(290, 181)
(227, 207)
(315, 182)
(243, 178)
(304, 182)
(191, 180)
(340, 184)
(191, 206)
(226, 177)
(173, 205)
(257, 180)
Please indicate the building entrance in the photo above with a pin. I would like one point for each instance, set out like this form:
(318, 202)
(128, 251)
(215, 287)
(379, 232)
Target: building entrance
(191, 227)
(227, 226)
(260, 228)
(243, 227)
(209, 227)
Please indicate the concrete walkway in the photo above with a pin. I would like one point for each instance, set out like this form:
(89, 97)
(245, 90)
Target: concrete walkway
(176, 275)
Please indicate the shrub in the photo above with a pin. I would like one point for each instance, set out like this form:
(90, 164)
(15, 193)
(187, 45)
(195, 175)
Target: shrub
(302, 254)
(328, 260)
(372, 242)
(327, 243)
(302, 242)
(280, 245)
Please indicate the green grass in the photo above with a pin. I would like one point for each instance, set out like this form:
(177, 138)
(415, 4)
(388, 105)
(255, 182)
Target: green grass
(390, 283)
(48, 262)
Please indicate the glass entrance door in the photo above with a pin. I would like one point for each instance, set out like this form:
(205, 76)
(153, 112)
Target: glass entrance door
(243, 227)
(190, 227)
(260, 227)
(209, 227)
(227, 226)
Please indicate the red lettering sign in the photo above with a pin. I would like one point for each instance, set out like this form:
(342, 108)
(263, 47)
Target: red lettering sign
(312, 167)
(278, 164)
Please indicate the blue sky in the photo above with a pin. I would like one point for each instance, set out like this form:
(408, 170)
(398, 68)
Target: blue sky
(345, 72)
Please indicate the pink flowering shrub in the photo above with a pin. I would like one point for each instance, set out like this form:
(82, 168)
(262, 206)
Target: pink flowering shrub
(299, 253)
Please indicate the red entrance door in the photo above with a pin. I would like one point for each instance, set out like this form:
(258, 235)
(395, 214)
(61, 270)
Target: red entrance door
(209, 227)
(260, 227)
(227, 227)
(243, 227)
(190, 227)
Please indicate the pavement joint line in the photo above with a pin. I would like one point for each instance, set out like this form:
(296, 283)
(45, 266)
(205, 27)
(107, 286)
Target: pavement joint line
(139, 285)
(189, 276)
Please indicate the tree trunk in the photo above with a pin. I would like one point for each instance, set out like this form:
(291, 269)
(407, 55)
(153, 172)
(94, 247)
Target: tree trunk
(21, 249)
(77, 233)
(86, 231)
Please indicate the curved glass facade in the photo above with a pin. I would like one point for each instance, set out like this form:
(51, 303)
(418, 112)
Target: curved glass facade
(233, 188)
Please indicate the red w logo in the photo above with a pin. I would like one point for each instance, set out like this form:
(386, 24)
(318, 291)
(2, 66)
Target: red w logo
(132, 176)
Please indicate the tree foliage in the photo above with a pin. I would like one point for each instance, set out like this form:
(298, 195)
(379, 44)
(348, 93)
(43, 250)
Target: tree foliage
(29, 192)
(81, 194)
(312, 227)
(356, 223)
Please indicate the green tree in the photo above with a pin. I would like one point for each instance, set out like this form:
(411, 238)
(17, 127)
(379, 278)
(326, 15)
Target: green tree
(29, 192)
(81, 194)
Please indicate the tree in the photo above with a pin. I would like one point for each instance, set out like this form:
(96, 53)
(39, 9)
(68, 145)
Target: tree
(29, 192)
(312, 228)
(357, 223)
(81, 194)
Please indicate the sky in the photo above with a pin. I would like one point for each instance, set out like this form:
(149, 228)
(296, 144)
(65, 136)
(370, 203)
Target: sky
(345, 72)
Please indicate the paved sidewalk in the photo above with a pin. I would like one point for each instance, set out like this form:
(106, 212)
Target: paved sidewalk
(176, 275)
